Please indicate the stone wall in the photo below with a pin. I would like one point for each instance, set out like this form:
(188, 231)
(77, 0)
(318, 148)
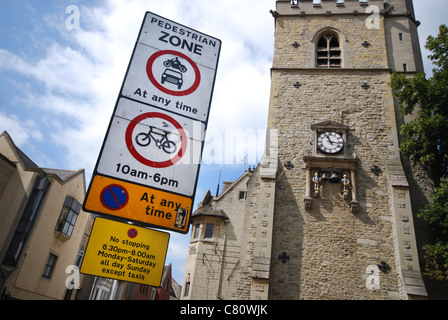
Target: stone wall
(353, 30)
(331, 247)
(279, 243)
(334, 253)
(221, 267)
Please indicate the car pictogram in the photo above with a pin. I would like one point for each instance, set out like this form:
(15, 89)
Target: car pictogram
(173, 77)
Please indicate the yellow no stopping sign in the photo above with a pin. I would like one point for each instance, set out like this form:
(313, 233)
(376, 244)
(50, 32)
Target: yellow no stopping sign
(125, 252)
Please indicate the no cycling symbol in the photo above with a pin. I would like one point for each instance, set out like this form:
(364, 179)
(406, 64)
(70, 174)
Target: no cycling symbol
(176, 76)
(152, 146)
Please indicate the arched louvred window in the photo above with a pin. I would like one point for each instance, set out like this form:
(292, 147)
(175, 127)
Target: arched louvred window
(328, 51)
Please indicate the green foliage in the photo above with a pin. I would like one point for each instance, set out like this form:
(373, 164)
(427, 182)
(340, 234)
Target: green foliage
(436, 258)
(436, 213)
(425, 141)
(439, 48)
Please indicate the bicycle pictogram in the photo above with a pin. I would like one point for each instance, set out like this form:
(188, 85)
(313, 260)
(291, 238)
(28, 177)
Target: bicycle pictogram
(143, 139)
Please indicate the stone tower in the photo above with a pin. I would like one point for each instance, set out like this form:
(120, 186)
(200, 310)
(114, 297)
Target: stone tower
(336, 117)
(329, 211)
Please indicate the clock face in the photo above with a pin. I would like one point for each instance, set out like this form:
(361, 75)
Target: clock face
(330, 142)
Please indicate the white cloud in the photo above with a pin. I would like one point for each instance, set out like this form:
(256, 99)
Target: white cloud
(21, 131)
(79, 75)
(82, 79)
(82, 76)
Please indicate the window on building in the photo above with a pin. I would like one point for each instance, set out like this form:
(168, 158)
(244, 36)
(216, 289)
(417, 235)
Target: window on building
(49, 266)
(405, 67)
(100, 293)
(26, 223)
(146, 290)
(187, 285)
(67, 218)
(400, 36)
(242, 195)
(143, 289)
(328, 51)
(196, 231)
(167, 283)
(153, 294)
(209, 231)
(187, 289)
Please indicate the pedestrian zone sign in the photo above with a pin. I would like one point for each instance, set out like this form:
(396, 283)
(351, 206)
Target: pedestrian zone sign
(125, 252)
(148, 165)
(173, 68)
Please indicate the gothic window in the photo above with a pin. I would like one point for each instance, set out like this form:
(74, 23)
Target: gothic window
(328, 51)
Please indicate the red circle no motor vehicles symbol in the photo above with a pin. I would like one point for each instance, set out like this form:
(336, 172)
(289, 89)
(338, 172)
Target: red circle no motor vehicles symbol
(173, 72)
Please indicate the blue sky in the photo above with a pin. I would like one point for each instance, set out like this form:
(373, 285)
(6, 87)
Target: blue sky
(58, 85)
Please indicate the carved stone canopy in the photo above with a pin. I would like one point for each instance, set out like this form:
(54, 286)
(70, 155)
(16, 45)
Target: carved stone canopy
(329, 125)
